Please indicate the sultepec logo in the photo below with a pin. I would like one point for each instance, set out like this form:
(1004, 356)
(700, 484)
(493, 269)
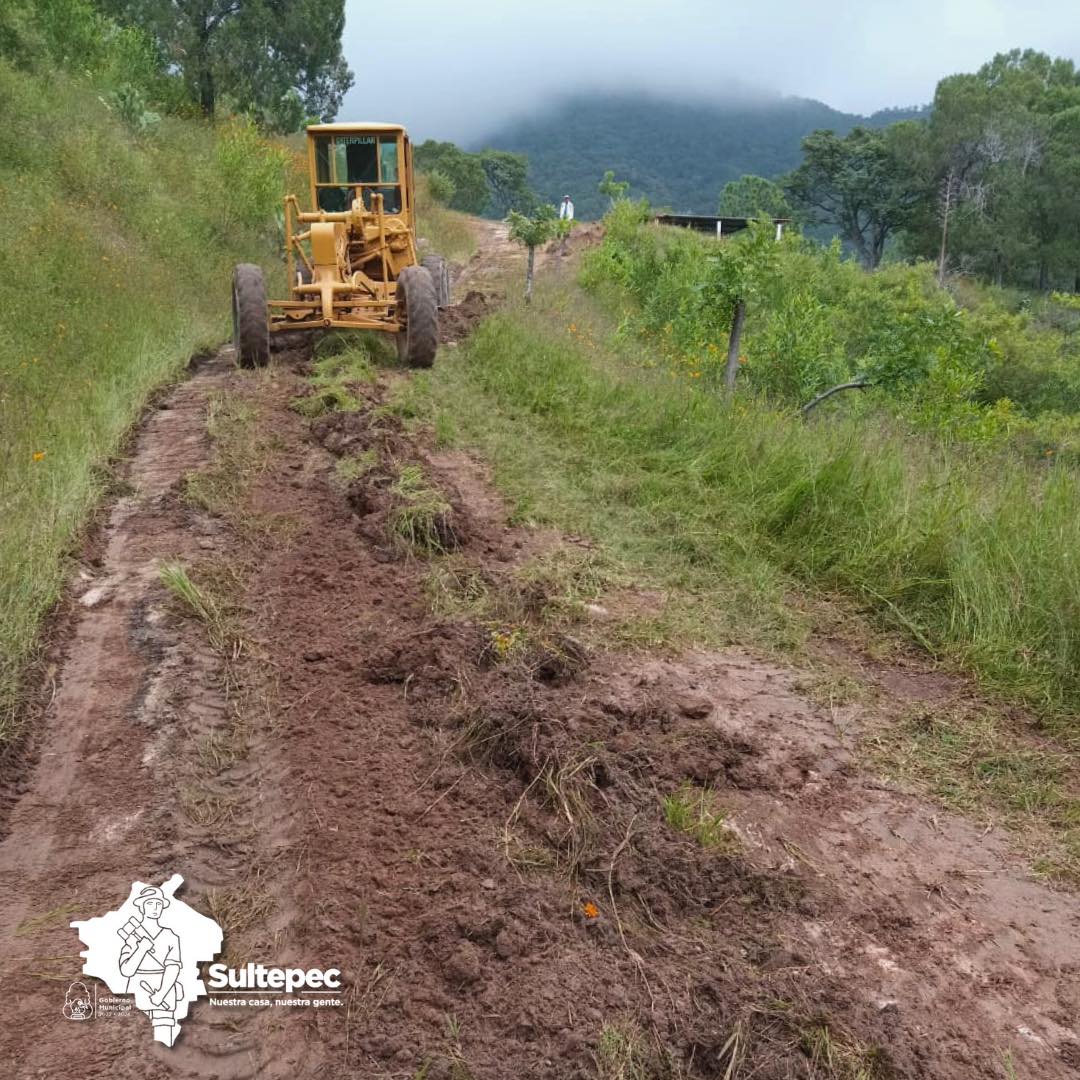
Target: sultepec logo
(151, 947)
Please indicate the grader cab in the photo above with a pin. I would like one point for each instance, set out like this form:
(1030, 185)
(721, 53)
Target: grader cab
(351, 261)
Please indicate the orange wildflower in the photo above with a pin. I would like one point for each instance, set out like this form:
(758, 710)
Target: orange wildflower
(38, 455)
(590, 910)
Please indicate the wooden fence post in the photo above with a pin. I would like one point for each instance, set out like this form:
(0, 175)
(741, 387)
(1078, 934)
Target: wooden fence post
(737, 318)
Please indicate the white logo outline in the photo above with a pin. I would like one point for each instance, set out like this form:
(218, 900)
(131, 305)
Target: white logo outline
(78, 1003)
(151, 948)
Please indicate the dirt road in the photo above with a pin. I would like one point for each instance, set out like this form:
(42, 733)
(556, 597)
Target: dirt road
(358, 760)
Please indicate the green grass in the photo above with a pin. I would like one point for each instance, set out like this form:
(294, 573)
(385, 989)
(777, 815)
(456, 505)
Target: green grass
(343, 362)
(241, 452)
(625, 1051)
(420, 516)
(117, 270)
(356, 466)
(201, 602)
(351, 365)
(971, 554)
(326, 399)
(548, 591)
(692, 810)
(836, 1057)
(448, 232)
(351, 356)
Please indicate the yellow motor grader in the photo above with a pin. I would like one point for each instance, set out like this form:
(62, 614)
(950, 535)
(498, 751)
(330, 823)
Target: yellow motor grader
(351, 261)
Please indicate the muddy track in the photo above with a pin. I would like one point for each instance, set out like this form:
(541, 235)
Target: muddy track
(119, 781)
(479, 284)
(463, 810)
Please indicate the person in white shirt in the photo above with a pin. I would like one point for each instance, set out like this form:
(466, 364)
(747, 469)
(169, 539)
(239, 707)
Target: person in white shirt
(566, 209)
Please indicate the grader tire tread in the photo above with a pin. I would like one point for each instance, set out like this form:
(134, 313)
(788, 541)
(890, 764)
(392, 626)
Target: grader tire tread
(251, 334)
(440, 274)
(418, 342)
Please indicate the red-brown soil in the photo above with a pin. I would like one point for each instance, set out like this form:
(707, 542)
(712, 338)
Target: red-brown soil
(458, 319)
(468, 822)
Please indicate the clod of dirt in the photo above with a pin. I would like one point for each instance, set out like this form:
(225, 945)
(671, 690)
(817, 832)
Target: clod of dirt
(95, 596)
(463, 967)
(401, 508)
(578, 240)
(456, 321)
(559, 659)
(695, 706)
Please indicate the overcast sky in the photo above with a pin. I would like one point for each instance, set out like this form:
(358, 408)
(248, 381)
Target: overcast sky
(455, 69)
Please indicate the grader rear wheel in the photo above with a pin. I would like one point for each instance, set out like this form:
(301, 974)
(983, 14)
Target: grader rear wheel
(251, 330)
(418, 308)
(440, 274)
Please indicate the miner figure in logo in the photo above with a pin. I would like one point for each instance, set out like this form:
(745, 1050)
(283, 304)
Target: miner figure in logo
(150, 961)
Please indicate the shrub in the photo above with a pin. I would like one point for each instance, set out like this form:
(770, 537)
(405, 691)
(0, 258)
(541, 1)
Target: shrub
(815, 320)
(442, 188)
(131, 106)
(250, 175)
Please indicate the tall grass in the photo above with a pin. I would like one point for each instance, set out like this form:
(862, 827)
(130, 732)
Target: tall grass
(974, 553)
(448, 232)
(116, 268)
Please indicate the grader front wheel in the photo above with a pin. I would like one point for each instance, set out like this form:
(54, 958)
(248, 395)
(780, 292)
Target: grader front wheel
(418, 308)
(251, 331)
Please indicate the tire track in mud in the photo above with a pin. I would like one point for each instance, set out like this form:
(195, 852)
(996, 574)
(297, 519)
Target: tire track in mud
(121, 768)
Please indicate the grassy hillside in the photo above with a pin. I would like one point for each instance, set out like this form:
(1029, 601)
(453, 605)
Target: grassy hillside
(732, 503)
(118, 258)
(674, 154)
(915, 501)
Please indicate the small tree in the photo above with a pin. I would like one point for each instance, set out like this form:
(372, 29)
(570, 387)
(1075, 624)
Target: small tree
(740, 273)
(862, 183)
(612, 188)
(544, 225)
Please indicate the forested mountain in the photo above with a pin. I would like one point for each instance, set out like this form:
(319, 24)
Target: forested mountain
(677, 154)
